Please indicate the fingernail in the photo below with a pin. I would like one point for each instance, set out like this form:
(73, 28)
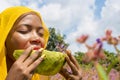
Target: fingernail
(41, 49)
(43, 56)
(32, 47)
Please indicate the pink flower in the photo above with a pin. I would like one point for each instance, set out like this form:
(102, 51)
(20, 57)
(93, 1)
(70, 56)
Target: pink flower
(113, 41)
(109, 38)
(95, 52)
(108, 32)
(108, 35)
(82, 38)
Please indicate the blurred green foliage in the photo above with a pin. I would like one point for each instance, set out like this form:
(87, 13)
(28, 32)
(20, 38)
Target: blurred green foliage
(110, 60)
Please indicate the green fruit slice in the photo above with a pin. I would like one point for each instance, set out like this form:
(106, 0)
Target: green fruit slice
(52, 63)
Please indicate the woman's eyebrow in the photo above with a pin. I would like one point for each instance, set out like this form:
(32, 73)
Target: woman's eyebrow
(28, 25)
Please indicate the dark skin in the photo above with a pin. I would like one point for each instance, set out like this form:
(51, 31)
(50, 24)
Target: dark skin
(76, 71)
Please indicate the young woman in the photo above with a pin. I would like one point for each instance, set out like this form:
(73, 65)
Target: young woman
(23, 28)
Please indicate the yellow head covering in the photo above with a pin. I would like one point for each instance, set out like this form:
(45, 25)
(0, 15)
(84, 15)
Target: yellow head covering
(7, 20)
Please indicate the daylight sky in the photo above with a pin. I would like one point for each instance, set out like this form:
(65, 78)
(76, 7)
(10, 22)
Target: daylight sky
(76, 17)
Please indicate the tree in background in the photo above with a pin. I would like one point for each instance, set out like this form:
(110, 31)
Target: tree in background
(56, 41)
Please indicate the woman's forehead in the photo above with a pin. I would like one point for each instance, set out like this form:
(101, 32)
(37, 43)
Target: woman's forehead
(23, 19)
(27, 14)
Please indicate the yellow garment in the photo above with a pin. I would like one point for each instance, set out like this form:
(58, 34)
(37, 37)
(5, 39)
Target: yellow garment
(7, 20)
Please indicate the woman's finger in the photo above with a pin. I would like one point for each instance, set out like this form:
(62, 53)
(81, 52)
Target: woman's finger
(72, 58)
(36, 63)
(25, 54)
(72, 66)
(33, 57)
(65, 73)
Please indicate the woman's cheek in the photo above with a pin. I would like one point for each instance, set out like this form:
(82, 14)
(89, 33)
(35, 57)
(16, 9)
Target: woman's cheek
(43, 43)
(20, 44)
(19, 41)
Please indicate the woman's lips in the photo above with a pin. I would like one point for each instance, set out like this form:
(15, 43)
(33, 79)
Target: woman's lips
(36, 48)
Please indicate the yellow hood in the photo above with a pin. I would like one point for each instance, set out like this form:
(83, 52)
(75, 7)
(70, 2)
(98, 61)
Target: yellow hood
(7, 20)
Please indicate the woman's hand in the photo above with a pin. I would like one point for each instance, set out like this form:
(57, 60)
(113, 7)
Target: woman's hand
(75, 72)
(23, 67)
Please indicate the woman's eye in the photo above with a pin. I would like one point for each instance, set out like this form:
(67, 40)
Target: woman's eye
(41, 34)
(23, 32)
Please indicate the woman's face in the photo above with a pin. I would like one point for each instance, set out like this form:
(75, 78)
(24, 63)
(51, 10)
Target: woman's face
(27, 32)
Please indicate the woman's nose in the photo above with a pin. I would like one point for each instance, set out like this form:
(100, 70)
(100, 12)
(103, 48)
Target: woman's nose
(35, 38)
(35, 41)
